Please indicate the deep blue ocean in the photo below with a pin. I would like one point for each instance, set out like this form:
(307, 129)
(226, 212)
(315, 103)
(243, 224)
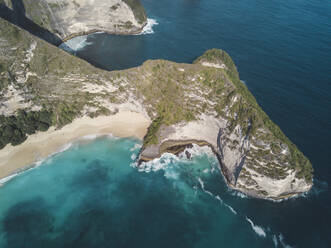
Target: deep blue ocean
(92, 195)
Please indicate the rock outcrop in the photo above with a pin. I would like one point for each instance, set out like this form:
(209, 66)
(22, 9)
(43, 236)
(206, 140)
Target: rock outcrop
(203, 103)
(69, 18)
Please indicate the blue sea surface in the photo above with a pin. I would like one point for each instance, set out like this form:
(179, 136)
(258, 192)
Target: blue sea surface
(78, 199)
(92, 196)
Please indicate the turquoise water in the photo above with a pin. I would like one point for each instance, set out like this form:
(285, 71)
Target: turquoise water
(92, 196)
(282, 50)
(78, 199)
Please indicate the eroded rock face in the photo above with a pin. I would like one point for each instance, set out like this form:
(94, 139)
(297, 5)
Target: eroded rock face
(203, 103)
(255, 164)
(69, 18)
(255, 156)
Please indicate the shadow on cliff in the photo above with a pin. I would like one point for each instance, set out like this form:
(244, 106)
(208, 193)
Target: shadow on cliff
(17, 16)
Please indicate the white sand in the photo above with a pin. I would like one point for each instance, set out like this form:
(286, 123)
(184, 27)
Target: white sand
(43, 144)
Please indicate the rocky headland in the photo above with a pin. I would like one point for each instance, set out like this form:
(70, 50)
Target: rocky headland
(69, 18)
(43, 88)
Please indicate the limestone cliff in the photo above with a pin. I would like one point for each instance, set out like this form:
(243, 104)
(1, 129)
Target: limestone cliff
(203, 103)
(68, 18)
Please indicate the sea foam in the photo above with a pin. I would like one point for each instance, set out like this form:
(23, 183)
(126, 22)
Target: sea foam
(281, 240)
(136, 147)
(148, 29)
(238, 194)
(167, 159)
(274, 239)
(75, 44)
(257, 229)
(34, 165)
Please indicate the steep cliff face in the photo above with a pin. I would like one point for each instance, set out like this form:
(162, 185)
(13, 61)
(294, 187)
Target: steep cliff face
(203, 103)
(255, 156)
(68, 18)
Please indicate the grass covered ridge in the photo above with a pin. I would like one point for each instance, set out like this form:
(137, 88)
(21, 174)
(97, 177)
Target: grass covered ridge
(170, 92)
(250, 110)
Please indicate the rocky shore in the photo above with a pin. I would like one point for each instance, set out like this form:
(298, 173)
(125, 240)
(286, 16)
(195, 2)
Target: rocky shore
(68, 19)
(44, 88)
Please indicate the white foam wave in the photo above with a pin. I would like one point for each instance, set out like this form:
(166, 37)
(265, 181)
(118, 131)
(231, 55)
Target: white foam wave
(6, 179)
(197, 151)
(171, 174)
(135, 147)
(167, 159)
(95, 136)
(148, 29)
(90, 137)
(239, 194)
(281, 240)
(219, 198)
(274, 239)
(158, 164)
(203, 187)
(231, 208)
(216, 197)
(75, 44)
(34, 165)
(167, 163)
(62, 149)
(133, 156)
(112, 136)
(257, 229)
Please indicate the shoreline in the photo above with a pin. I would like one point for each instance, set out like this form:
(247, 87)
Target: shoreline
(181, 145)
(38, 146)
(93, 31)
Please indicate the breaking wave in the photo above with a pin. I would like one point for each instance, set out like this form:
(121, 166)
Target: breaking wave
(238, 194)
(133, 156)
(75, 44)
(169, 163)
(157, 164)
(257, 229)
(274, 239)
(49, 157)
(281, 240)
(148, 29)
(231, 208)
(168, 160)
(203, 187)
(217, 197)
(35, 164)
(135, 147)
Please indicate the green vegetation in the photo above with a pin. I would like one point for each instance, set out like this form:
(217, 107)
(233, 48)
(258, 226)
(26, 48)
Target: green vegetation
(251, 116)
(218, 56)
(170, 92)
(13, 129)
(151, 138)
(2, 68)
(65, 114)
(128, 25)
(114, 7)
(165, 93)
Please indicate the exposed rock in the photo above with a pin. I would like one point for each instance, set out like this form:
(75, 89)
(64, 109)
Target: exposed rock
(69, 18)
(188, 103)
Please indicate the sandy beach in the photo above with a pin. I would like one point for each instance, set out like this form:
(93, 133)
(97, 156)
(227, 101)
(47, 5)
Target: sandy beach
(42, 144)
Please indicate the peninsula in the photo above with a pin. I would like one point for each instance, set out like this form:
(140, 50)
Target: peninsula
(46, 92)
